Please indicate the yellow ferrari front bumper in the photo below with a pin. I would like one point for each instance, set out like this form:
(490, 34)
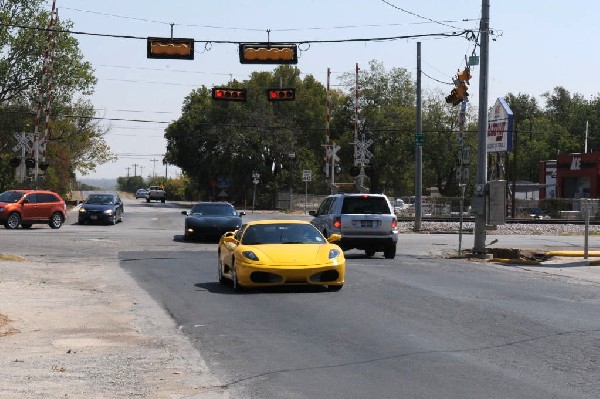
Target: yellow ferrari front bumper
(253, 275)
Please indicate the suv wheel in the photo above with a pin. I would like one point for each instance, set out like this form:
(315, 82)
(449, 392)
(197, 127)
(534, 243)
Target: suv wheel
(56, 220)
(12, 221)
(390, 252)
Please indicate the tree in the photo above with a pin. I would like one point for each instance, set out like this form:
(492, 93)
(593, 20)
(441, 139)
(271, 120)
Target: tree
(218, 144)
(75, 140)
(23, 51)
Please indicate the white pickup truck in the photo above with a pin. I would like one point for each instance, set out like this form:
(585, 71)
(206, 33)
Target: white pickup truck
(156, 193)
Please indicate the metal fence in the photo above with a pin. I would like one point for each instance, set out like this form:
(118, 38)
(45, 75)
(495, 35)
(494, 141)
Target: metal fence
(450, 207)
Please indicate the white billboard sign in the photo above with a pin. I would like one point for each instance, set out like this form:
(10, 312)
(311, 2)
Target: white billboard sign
(500, 128)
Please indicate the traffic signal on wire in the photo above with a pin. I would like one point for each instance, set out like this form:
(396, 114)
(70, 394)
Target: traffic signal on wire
(228, 94)
(168, 48)
(268, 53)
(459, 93)
(281, 94)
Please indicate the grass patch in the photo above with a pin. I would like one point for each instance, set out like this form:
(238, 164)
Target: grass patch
(12, 258)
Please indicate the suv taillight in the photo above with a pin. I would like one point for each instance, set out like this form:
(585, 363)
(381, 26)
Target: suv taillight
(394, 224)
(337, 222)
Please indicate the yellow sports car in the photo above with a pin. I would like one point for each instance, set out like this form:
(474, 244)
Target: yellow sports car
(280, 252)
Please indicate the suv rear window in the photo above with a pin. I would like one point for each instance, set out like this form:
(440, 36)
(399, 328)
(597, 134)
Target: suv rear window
(365, 205)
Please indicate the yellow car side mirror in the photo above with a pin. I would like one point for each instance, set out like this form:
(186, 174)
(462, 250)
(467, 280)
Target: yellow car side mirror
(334, 238)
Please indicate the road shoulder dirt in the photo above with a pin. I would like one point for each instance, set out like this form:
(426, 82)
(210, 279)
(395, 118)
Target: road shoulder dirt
(71, 330)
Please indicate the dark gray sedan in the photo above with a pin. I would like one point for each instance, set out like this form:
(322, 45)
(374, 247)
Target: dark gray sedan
(210, 220)
(101, 208)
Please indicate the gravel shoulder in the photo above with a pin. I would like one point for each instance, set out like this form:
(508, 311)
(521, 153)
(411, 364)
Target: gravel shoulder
(70, 330)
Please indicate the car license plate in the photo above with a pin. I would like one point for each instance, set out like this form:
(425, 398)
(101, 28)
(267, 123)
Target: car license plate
(93, 217)
(366, 223)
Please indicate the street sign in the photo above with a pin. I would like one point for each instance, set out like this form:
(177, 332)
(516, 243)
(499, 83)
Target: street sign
(419, 139)
(306, 175)
(255, 181)
(255, 175)
(466, 155)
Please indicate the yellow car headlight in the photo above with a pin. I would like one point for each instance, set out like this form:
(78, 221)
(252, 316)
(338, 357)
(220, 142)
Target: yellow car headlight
(250, 255)
(334, 253)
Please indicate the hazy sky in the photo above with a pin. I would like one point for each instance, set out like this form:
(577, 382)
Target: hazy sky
(535, 46)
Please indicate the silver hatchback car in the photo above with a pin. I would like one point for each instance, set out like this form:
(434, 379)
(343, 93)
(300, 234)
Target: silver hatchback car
(365, 221)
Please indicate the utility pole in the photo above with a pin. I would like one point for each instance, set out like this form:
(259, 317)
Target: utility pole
(327, 118)
(154, 161)
(481, 179)
(135, 165)
(418, 147)
(141, 171)
(128, 169)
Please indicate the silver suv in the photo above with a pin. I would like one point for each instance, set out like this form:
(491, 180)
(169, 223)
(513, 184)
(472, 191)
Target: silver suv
(365, 221)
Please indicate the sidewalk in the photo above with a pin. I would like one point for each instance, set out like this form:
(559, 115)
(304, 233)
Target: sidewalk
(572, 264)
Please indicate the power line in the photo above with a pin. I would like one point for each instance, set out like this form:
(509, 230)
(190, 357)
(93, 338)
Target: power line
(417, 15)
(256, 29)
(308, 42)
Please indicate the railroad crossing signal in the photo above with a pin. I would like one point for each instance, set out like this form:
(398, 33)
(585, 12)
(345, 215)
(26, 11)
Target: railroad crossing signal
(169, 48)
(332, 152)
(362, 154)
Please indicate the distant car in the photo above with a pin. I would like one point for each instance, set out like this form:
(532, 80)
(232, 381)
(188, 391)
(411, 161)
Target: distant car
(280, 252)
(210, 220)
(365, 221)
(28, 207)
(141, 193)
(101, 208)
(156, 193)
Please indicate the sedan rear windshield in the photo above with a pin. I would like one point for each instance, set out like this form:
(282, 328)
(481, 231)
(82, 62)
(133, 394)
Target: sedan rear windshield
(365, 205)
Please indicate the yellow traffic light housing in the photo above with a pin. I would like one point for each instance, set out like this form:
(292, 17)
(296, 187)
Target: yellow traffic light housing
(168, 48)
(281, 94)
(464, 75)
(268, 53)
(458, 94)
(228, 94)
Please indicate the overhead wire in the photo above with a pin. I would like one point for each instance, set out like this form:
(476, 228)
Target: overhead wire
(237, 42)
(263, 30)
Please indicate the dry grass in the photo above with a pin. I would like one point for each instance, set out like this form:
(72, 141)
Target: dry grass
(4, 329)
(12, 258)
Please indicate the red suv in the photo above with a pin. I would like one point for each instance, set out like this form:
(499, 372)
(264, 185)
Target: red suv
(26, 207)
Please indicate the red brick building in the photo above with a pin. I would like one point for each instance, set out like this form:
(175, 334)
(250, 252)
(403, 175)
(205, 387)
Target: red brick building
(577, 175)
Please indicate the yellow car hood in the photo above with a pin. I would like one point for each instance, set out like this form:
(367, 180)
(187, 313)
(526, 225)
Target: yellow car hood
(291, 254)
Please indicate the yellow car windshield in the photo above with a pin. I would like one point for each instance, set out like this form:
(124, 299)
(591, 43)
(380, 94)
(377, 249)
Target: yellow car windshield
(284, 233)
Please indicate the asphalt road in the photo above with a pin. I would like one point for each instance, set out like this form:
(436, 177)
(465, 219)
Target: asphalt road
(418, 326)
